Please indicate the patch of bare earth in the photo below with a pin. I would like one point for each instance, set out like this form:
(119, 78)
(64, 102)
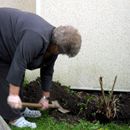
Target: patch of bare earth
(81, 104)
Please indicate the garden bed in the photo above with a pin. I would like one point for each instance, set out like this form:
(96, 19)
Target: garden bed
(81, 104)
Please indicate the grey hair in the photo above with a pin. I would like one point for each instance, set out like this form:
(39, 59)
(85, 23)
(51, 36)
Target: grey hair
(68, 39)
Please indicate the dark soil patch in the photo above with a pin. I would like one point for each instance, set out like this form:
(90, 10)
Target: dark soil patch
(82, 104)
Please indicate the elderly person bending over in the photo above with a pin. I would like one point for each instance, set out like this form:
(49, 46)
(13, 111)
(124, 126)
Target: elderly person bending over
(29, 42)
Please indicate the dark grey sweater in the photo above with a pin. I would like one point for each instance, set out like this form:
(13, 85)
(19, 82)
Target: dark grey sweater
(24, 38)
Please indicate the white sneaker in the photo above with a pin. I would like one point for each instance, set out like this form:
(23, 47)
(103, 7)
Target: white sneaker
(31, 113)
(22, 123)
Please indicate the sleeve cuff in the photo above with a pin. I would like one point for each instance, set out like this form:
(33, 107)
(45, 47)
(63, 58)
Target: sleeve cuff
(15, 77)
(46, 83)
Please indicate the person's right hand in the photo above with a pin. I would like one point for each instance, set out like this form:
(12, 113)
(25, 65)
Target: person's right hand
(44, 102)
(14, 101)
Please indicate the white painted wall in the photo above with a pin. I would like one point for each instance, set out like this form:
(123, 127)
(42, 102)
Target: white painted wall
(105, 30)
(27, 5)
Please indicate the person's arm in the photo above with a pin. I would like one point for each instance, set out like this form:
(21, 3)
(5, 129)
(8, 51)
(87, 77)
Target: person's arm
(29, 47)
(13, 89)
(46, 73)
(13, 99)
(46, 94)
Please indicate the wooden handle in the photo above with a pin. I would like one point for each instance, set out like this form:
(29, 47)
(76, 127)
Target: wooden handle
(31, 105)
(36, 105)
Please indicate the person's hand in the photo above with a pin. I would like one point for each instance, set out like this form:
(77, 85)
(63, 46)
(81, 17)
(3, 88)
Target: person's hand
(44, 102)
(14, 101)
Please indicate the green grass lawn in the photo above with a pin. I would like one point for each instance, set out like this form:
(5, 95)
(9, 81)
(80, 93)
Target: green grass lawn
(48, 123)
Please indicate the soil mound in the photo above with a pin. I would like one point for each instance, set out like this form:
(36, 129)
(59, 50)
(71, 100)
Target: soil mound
(82, 104)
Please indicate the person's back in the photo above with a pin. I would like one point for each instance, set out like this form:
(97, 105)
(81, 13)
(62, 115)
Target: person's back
(14, 24)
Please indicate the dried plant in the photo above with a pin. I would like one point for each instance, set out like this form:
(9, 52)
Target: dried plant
(108, 104)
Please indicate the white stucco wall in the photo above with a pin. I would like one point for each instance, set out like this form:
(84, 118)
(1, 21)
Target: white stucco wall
(105, 30)
(27, 5)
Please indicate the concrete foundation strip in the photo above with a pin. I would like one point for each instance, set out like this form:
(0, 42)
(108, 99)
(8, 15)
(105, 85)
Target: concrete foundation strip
(3, 125)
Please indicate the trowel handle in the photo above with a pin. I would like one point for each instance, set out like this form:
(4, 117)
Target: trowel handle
(36, 105)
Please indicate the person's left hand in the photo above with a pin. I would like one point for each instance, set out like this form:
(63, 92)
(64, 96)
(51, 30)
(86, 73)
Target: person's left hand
(14, 101)
(44, 102)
